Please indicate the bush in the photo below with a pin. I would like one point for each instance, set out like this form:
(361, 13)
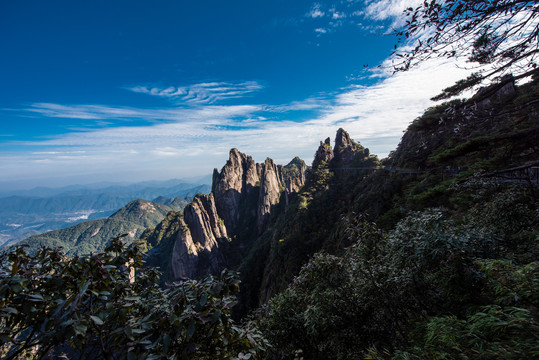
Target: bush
(422, 280)
(109, 306)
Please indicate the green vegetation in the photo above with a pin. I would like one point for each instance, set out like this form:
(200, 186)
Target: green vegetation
(430, 287)
(92, 236)
(108, 306)
(427, 282)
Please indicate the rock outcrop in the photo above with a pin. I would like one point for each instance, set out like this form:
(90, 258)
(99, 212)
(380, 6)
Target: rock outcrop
(293, 175)
(323, 155)
(235, 182)
(346, 150)
(345, 153)
(244, 195)
(207, 229)
(184, 261)
(495, 92)
(270, 192)
(202, 234)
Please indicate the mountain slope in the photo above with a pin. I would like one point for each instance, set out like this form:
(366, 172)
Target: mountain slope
(91, 236)
(441, 156)
(41, 210)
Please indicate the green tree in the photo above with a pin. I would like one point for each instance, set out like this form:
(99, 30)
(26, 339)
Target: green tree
(109, 306)
(423, 283)
(501, 33)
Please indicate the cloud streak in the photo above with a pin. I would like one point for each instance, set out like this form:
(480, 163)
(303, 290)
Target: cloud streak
(202, 93)
(101, 112)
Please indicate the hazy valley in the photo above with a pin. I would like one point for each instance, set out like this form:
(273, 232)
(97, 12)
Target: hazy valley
(36, 211)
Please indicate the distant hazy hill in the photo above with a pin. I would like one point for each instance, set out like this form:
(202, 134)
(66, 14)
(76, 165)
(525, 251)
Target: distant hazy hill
(91, 236)
(42, 209)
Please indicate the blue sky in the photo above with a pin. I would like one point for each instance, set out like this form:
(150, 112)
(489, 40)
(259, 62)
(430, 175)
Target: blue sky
(137, 90)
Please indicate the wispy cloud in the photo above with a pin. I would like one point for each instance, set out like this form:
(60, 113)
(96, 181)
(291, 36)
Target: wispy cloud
(203, 93)
(101, 112)
(389, 10)
(370, 15)
(316, 11)
(314, 103)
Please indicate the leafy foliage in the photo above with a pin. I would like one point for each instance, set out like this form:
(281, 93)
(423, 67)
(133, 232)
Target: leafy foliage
(502, 33)
(108, 306)
(430, 286)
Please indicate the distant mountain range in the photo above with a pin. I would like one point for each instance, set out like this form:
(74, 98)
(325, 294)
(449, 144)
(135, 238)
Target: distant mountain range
(40, 210)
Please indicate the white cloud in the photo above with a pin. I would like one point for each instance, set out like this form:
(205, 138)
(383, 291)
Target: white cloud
(203, 93)
(392, 10)
(314, 103)
(90, 112)
(316, 11)
(337, 15)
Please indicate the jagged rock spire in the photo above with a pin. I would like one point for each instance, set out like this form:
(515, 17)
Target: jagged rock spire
(236, 180)
(323, 155)
(346, 150)
(243, 196)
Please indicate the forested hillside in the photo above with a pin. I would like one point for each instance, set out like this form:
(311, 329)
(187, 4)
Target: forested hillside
(435, 254)
(92, 236)
(400, 244)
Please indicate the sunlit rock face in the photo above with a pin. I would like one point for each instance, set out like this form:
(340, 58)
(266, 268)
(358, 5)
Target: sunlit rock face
(244, 195)
(235, 182)
(184, 259)
(270, 192)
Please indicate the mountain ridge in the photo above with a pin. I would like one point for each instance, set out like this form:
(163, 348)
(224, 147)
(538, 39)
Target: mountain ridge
(440, 149)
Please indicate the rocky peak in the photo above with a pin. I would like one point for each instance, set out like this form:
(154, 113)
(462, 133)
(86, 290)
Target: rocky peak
(236, 180)
(346, 150)
(270, 191)
(323, 155)
(293, 175)
(343, 141)
(244, 195)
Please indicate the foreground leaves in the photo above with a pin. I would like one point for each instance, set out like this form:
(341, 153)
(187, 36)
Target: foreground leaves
(108, 306)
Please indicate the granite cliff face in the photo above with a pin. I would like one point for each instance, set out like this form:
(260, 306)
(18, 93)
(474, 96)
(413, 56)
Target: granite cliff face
(197, 246)
(270, 191)
(234, 184)
(220, 229)
(243, 198)
(184, 262)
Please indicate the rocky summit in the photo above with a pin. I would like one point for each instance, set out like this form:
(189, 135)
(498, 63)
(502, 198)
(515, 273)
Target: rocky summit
(244, 196)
